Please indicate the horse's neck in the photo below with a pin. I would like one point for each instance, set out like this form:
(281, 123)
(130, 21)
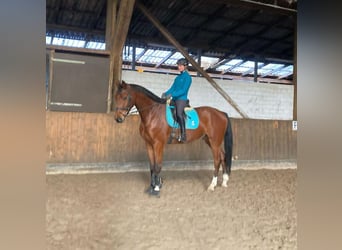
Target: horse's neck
(143, 103)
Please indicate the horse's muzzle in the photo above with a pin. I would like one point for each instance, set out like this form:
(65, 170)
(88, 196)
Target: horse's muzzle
(119, 119)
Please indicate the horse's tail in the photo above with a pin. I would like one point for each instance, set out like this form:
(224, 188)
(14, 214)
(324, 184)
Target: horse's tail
(228, 145)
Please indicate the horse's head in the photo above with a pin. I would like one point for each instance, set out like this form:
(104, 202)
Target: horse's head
(123, 102)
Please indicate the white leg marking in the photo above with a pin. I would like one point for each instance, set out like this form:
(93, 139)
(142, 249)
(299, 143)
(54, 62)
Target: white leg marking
(225, 180)
(213, 184)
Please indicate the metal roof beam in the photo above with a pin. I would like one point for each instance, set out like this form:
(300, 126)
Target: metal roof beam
(65, 29)
(273, 8)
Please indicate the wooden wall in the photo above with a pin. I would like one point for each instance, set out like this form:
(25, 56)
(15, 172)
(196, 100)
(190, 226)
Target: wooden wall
(75, 137)
(264, 140)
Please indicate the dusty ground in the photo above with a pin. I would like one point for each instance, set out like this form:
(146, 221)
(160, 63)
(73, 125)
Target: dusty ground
(111, 211)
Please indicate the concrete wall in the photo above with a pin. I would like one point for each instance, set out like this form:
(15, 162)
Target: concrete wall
(257, 100)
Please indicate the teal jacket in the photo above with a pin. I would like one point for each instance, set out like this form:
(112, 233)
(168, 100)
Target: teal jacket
(180, 87)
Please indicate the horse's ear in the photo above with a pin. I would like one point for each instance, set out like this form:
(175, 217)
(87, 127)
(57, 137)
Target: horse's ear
(123, 84)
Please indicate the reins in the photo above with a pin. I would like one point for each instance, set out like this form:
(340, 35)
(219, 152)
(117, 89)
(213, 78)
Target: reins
(127, 109)
(149, 106)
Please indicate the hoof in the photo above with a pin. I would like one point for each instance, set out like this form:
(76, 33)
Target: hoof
(151, 191)
(211, 188)
(155, 193)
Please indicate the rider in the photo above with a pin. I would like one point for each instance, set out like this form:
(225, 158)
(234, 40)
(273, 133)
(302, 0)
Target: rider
(179, 93)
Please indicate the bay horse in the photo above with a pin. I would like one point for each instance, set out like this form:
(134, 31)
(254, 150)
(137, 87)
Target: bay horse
(214, 127)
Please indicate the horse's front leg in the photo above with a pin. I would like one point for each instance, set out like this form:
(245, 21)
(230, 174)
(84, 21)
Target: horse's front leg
(156, 180)
(155, 155)
(150, 154)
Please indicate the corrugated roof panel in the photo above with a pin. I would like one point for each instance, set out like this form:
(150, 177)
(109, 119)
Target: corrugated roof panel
(173, 59)
(219, 24)
(286, 71)
(249, 29)
(206, 9)
(276, 33)
(229, 64)
(128, 53)
(206, 62)
(269, 68)
(154, 56)
(229, 41)
(65, 17)
(68, 42)
(191, 20)
(235, 13)
(95, 45)
(48, 39)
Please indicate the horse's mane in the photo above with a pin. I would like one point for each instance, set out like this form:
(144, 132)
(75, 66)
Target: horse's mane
(148, 93)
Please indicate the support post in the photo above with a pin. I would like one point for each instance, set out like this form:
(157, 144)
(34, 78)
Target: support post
(121, 13)
(133, 56)
(295, 76)
(199, 54)
(255, 70)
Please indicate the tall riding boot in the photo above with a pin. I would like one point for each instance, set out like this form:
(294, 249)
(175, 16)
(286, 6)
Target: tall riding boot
(183, 130)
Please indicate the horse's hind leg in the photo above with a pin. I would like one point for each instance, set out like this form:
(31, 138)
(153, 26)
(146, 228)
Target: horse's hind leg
(217, 160)
(225, 176)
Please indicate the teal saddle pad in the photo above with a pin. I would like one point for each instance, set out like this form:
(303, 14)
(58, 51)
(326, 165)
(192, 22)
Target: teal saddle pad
(191, 118)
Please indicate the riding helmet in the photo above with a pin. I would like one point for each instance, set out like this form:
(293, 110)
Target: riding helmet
(182, 61)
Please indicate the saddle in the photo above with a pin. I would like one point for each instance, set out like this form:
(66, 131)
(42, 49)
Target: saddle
(191, 116)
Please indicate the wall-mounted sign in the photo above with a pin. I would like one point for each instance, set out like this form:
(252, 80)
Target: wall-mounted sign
(294, 125)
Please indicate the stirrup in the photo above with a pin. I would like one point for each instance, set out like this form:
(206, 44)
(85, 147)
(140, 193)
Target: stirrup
(182, 138)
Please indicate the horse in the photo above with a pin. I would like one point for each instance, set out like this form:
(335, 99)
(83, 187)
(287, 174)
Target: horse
(214, 127)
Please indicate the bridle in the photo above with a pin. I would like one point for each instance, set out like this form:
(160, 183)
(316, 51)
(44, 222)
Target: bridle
(127, 108)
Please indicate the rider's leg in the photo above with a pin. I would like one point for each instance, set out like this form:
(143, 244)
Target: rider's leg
(180, 105)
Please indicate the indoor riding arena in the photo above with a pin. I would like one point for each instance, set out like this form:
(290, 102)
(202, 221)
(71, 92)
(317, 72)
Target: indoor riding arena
(242, 61)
